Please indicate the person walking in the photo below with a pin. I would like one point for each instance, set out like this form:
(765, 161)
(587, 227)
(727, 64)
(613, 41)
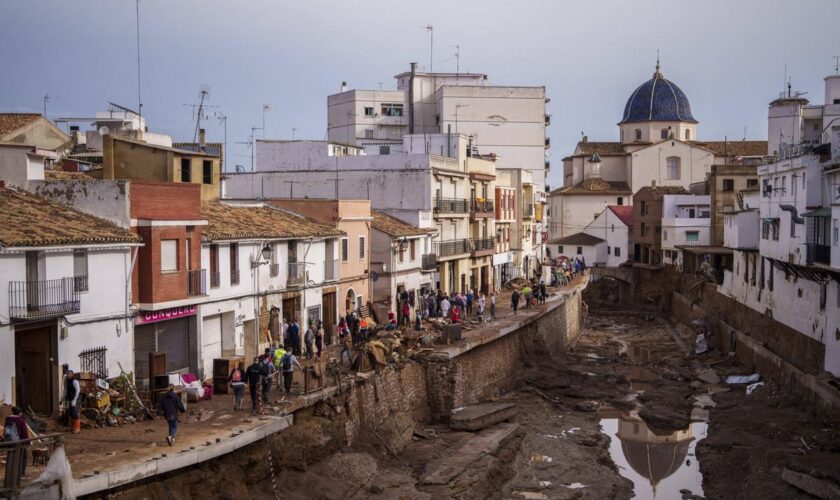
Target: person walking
(268, 375)
(287, 364)
(470, 297)
(418, 320)
(171, 406)
(527, 294)
(236, 379)
(346, 346)
(71, 399)
(253, 377)
(432, 305)
(444, 307)
(514, 300)
(406, 314)
(542, 292)
(309, 341)
(363, 331)
(16, 429)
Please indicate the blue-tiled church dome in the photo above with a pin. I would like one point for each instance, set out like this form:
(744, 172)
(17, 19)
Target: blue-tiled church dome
(658, 99)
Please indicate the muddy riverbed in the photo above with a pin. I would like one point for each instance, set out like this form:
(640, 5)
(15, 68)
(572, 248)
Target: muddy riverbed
(627, 414)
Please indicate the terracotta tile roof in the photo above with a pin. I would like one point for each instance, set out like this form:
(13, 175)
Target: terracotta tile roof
(624, 213)
(602, 148)
(31, 221)
(734, 148)
(595, 186)
(9, 122)
(583, 239)
(394, 227)
(62, 175)
(662, 190)
(231, 222)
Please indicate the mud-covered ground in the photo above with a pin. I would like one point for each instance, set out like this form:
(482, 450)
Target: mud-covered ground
(622, 416)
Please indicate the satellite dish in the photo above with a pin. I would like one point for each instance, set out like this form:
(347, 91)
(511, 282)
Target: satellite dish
(104, 130)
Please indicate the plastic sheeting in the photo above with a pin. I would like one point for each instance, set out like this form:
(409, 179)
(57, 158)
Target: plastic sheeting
(57, 473)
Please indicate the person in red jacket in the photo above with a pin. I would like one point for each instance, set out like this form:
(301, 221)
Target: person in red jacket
(455, 317)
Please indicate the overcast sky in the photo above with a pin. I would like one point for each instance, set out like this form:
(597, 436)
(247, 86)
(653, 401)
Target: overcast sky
(728, 56)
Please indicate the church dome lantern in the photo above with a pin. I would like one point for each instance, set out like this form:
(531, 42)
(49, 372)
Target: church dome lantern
(657, 100)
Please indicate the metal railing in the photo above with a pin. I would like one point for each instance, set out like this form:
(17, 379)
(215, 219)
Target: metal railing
(274, 270)
(234, 277)
(93, 360)
(527, 209)
(215, 279)
(452, 247)
(451, 206)
(481, 206)
(81, 283)
(43, 299)
(428, 262)
(196, 282)
(331, 268)
(297, 274)
(481, 244)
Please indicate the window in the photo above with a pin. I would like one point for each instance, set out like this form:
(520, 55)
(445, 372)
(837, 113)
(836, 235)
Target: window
(793, 184)
(765, 230)
(207, 172)
(752, 183)
(345, 249)
(368, 133)
(214, 266)
(187, 253)
(687, 134)
(692, 236)
(234, 263)
(392, 110)
(617, 251)
(774, 230)
(638, 134)
(835, 233)
(620, 201)
(665, 235)
(612, 228)
(672, 170)
(728, 185)
(384, 150)
(412, 249)
(560, 249)
(643, 207)
(642, 229)
(80, 270)
(168, 255)
(361, 247)
(186, 175)
(580, 250)
(368, 110)
(663, 133)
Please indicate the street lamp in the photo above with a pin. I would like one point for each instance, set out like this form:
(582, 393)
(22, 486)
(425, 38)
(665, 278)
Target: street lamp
(265, 253)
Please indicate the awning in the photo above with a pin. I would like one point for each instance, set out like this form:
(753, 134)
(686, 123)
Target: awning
(820, 212)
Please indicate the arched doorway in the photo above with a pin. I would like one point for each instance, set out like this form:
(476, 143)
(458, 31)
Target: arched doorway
(350, 300)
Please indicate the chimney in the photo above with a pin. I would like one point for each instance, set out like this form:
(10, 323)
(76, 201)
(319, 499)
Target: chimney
(344, 86)
(653, 183)
(585, 139)
(201, 137)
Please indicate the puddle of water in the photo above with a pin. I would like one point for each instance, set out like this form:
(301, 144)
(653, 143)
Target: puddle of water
(641, 378)
(529, 494)
(659, 464)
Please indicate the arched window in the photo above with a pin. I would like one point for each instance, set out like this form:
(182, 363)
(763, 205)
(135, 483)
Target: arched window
(663, 133)
(622, 135)
(638, 134)
(687, 134)
(672, 170)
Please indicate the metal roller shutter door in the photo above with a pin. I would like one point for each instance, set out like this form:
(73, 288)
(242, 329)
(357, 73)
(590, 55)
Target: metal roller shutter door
(211, 342)
(170, 337)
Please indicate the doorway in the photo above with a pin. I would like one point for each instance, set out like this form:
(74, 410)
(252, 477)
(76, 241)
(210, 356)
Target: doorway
(350, 301)
(36, 371)
(328, 301)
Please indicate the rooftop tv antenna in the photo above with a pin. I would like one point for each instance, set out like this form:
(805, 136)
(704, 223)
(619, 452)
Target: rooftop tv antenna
(223, 118)
(139, 100)
(457, 60)
(431, 30)
(46, 100)
(203, 95)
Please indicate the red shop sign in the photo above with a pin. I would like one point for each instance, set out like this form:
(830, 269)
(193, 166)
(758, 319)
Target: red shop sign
(164, 314)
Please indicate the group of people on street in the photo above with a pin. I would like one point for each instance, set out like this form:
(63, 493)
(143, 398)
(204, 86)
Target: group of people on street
(312, 343)
(566, 271)
(533, 293)
(455, 307)
(260, 375)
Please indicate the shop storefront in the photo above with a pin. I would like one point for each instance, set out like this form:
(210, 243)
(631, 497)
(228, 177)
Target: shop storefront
(170, 331)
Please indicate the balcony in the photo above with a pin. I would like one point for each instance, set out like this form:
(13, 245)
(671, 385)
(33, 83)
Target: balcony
(547, 119)
(234, 277)
(819, 254)
(297, 274)
(331, 268)
(196, 282)
(527, 210)
(428, 262)
(482, 246)
(481, 209)
(451, 206)
(43, 299)
(449, 248)
(547, 142)
(215, 279)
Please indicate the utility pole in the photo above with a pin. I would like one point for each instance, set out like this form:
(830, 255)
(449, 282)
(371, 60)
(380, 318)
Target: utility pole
(266, 108)
(46, 100)
(293, 132)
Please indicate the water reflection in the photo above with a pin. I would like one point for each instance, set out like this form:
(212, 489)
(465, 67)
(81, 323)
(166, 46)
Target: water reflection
(660, 464)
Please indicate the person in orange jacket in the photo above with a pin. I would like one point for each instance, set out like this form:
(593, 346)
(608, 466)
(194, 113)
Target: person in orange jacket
(455, 316)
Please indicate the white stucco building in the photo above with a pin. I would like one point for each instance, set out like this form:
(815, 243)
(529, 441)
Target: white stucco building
(604, 242)
(685, 222)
